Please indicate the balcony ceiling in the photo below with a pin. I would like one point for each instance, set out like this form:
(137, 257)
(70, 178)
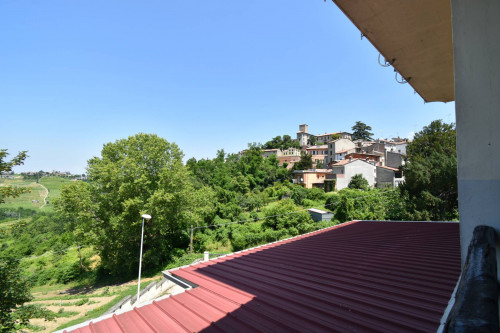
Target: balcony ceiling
(415, 36)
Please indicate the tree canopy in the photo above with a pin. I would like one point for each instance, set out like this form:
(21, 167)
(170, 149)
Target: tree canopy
(361, 131)
(10, 191)
(305, 162)
(141, 174)
(336, 137)
(14, 289)
(430, 172)
(281, 143)
(358, 182)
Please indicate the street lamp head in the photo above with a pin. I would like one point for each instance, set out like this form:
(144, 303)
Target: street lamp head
(146, 217)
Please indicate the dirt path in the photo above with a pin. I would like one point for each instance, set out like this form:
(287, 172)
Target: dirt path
(44, 195)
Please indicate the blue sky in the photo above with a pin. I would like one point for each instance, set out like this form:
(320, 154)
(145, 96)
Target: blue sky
(206, 75)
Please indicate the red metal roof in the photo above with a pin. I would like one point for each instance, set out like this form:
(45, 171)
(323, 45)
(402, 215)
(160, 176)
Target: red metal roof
(359, 276)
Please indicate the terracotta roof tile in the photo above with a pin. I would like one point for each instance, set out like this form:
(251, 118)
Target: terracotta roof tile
(388, 168)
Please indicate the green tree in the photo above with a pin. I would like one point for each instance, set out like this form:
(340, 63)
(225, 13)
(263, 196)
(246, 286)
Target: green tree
(14, 289)
(353, 204)
(358, 182)
(14, 292)
(430, 172)
(10, 191)
(312, 140)
(281, 143)
(288, 142)
(361, 131)
(304, 163)
(336, 137)
(285, 215)
(141, 174)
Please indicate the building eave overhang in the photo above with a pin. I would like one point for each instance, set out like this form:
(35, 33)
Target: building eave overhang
(414, 36)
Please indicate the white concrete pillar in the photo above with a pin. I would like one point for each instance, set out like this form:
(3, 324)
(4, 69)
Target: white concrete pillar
(206, 256)
(476, 50)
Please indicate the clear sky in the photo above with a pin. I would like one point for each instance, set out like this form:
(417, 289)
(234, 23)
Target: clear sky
(206, 75)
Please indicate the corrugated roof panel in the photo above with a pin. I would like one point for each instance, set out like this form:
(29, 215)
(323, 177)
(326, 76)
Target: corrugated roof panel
(316, 298)
(111, 325)
(360, 276)
(159, 319)
(85, 329)
(133, 321)
(191, 320)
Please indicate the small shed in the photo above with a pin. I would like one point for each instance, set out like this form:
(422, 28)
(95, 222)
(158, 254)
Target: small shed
(319, 215)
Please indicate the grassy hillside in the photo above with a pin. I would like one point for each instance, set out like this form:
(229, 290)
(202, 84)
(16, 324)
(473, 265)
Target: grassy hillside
(35, 198)
(54, 185)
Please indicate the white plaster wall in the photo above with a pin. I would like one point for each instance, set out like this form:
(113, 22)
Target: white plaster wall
(338, 145)
(303, 138)
(357, 167)
(400, 148)
(343, 144)
(476, 52)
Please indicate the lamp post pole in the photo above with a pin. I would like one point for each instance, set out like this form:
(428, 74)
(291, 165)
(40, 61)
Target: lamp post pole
(147, 218)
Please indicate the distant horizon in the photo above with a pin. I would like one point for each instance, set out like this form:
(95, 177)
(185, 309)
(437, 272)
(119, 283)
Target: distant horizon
(185, 158)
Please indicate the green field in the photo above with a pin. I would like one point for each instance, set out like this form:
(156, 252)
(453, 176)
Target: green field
(34, 198)
(54, 185)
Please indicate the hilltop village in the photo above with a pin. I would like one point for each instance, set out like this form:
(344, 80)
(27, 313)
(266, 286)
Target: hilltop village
(336, 158)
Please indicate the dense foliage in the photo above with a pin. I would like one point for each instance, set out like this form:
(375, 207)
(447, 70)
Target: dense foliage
(358, 182)
(430, 172)
(19, 212)
(281, 143)
(140, 174)
(14, 289)
(14, 292)
(304, 163)
(6, 166)
(239, 174)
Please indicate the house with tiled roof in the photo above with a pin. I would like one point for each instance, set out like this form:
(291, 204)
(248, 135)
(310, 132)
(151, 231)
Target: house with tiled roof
(311, 178)
(304, 137)
(339, 146)
(344, 170)
(389, 177)
(318, 153)
(374, 157)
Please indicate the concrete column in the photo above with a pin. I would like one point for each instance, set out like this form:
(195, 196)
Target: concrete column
(476, 50)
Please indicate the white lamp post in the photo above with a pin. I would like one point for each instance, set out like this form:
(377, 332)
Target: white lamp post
(147, 218)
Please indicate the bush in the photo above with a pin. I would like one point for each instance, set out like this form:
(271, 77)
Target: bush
(299, 194)
(68, 272)
(316, 194)
(361, 205)
(332, 201)
(358, 182)
(285, 215)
